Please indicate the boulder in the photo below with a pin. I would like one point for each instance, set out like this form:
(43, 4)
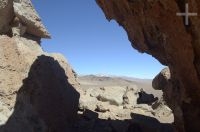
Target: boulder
(20, 17)
(24, 10)
(171, 94)
(87, 102)
(37, 89)
(130, 96)
(162, 79)
(112, 94)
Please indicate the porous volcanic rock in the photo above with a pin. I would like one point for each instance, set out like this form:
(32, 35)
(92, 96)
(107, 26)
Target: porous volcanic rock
(154, 28)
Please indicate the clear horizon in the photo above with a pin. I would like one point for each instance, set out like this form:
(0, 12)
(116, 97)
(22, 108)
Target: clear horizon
(90, 43)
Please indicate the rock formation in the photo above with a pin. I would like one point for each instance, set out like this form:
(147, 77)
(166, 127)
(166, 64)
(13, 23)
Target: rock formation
(154, 28)
(37, 89)
(115, 109)
(24, 10)
(29, 21)
(117, 102)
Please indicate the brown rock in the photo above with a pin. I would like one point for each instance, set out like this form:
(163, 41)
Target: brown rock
(161, 80)
(28, 21)
(28, 16)
(37, 89)
(154, 28)
(6, 15)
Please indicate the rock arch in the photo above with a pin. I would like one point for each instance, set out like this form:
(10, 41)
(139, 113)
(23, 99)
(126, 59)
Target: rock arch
(154, 28)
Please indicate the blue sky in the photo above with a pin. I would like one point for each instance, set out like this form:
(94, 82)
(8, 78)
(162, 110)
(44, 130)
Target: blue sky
(91, 44)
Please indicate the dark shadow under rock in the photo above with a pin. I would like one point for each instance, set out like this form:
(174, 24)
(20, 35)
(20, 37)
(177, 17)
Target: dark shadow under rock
(46, 102)
(145, 98)
(89, 122)
(150, 124)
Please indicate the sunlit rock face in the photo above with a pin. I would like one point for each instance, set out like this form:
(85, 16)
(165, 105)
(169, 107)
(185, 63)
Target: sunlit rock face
(154, 28)
(24, 10)
(21, 15)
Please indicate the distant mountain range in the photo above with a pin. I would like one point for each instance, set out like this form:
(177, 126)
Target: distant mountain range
(116, 76)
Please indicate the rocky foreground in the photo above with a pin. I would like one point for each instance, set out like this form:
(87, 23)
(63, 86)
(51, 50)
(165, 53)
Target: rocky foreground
(111, 104)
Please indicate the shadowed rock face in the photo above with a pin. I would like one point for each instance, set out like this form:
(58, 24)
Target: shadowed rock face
(6, 15)
(153, 27)
(37, 89)
(45, 102)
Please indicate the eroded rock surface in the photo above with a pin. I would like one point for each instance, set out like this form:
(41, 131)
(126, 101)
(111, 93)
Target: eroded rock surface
(101, 111)
(154, 28)
(121, 103)
(28, 21)
(24, 10)
(37, 89)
